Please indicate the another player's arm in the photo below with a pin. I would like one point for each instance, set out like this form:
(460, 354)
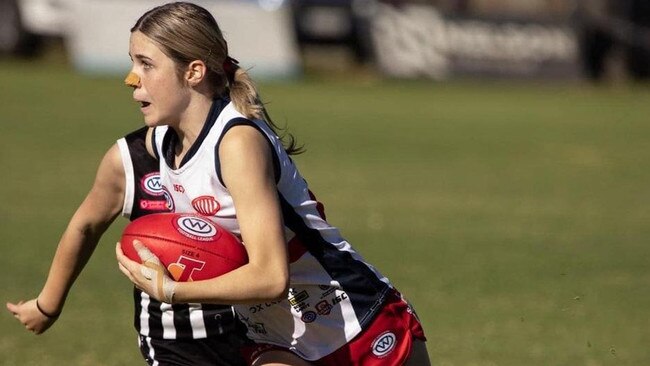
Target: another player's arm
(95, 214)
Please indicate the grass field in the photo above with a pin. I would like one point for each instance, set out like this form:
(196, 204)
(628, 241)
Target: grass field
(515, 216)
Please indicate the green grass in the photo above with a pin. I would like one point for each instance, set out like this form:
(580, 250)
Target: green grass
(513, 215)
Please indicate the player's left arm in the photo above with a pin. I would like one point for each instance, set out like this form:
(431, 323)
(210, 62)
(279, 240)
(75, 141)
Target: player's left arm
(100, 207)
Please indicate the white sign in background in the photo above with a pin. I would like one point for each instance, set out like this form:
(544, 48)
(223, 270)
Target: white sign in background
(260, 39)
(417, 41)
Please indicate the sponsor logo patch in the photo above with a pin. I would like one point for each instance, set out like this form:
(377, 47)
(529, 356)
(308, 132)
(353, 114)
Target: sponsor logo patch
(261, 307)
(206, 205)
(309, 316)
(153, 205)
(151, 184)
(338, 298)
(183, 269)
(324, 307)
(196, 228)
(327, 290)
(297, 301)
(384, 344)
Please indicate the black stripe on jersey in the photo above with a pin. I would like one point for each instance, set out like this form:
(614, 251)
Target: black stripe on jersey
(153, 144)
(171, 138)
(218, 319)
(138, 308)
(155, 319)
(366, 292)
(138, 136)
(181, 321)
(155, 315)
(245, 122)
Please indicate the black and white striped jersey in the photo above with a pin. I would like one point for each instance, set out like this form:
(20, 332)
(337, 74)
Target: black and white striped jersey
(143, 196)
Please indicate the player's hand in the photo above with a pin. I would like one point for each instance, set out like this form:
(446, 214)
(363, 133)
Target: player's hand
(30, 316)
(150, 276)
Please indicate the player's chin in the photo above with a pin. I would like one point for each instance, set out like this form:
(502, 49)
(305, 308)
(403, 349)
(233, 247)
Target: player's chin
(152, 121)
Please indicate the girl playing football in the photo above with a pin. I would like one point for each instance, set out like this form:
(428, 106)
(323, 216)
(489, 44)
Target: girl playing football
(305, 291)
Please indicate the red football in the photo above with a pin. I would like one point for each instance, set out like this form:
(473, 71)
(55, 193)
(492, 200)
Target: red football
(192, 247)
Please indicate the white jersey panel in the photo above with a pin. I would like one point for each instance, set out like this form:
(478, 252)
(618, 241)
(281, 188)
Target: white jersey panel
(128, 175)
(333, 292)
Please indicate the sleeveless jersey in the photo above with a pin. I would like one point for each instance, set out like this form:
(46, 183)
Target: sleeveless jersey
(143, 195)
(333, 292)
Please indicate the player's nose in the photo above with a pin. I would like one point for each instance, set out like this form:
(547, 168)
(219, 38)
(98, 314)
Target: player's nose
(132, 80)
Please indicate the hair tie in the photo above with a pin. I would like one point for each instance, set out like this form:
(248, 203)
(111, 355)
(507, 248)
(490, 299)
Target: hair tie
(49, 315)
(230, 65)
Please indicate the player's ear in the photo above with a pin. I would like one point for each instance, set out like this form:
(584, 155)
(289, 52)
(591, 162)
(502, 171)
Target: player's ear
(195, 72)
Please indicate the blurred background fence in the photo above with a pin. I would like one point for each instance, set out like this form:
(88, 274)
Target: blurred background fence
(436, 39)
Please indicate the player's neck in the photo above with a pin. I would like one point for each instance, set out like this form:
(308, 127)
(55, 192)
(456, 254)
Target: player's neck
(190, 125)
(192, 121)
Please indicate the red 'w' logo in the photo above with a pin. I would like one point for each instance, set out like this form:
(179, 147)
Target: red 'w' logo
(184, 268)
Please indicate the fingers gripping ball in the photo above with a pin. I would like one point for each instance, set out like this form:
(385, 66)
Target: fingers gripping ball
(153, 270)
(190, 247)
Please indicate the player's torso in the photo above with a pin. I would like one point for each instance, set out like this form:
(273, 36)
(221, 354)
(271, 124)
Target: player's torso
(333, 292)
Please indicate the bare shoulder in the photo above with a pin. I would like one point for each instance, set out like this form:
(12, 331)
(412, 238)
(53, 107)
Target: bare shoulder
(246, 159)
(111, 169)
(243, 140)
(105, 199)
(113, 159)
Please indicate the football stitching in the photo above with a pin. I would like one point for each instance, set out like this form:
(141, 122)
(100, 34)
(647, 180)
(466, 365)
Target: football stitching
(183, 244)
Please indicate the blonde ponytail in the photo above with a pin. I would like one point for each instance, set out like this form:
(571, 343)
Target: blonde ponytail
(244, 96)
(247, 101)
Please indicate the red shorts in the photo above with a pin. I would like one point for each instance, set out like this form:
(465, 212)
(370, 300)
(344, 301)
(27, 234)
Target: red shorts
(386, 341)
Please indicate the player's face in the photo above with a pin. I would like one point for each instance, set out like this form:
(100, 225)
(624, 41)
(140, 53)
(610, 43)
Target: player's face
(162, 96)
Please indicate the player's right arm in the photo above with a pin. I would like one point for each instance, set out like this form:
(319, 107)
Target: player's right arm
(95, 214)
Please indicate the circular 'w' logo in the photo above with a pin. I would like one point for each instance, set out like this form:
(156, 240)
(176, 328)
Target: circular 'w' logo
(384, 344)
(196, 227)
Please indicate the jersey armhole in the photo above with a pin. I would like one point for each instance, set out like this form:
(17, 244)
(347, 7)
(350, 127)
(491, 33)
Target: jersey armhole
(245, 122)
(129, 193)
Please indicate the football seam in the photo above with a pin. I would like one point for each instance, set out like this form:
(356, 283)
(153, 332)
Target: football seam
(183, 244)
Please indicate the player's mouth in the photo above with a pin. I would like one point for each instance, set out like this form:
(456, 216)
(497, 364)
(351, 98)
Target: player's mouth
(144, 105)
